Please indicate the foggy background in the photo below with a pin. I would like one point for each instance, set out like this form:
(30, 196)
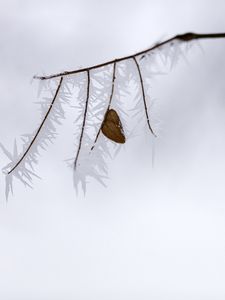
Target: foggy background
(153, 233)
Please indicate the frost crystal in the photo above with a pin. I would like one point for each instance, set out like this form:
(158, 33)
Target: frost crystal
(95, 90)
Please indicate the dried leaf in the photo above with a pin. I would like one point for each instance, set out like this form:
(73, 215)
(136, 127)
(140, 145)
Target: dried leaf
(112, 127)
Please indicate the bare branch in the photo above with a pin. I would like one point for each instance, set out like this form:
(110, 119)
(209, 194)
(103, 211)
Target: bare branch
(40, 127)
(84, 119)
(110, 100)
(143, 95)
(186, 37)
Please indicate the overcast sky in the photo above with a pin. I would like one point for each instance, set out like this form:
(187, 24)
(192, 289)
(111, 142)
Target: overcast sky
(153, 233)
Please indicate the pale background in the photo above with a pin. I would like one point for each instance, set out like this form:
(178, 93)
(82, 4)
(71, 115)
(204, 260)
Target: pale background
(152, 233)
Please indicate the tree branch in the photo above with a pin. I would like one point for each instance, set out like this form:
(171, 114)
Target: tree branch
(40, 127)
(183, 37)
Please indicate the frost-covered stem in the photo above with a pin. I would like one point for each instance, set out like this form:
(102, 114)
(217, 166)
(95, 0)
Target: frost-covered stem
(183, 37)
(40, 127)
(110, 100)
(113, 84)
(143, 94)
(84, 119)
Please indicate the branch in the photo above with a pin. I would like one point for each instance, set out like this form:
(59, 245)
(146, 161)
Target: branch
(186, 37)
(84, 119)
(110, 100)
(40, 127)
(143, 95)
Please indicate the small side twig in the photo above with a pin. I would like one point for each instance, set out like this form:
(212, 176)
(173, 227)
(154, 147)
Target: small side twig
(110, 101)
(84, 119)
(40, 127)
(143, 94)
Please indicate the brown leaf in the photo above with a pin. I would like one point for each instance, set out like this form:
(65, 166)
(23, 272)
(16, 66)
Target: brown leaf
(112, 127)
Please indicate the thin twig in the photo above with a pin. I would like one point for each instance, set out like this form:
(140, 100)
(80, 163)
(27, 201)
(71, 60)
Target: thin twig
(143, 94)
(84, 119)
(40, 127)
(183, 37)
(110, 100)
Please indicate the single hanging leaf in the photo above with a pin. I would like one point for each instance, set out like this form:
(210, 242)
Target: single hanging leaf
(112, 127)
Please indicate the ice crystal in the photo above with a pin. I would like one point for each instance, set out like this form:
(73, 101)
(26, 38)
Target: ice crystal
(94, 91)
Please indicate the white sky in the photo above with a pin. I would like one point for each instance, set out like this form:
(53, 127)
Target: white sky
(152, 233)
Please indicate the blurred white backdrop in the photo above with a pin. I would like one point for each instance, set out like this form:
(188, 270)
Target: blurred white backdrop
(153, 233)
